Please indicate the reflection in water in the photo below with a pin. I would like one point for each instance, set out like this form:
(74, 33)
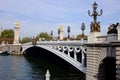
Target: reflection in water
(17, 68)
(29, 68)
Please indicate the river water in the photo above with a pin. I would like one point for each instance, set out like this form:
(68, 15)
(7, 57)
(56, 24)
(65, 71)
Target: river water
(27, 68)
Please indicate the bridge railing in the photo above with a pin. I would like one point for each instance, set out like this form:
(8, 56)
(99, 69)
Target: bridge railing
(69, 43)
(78, 53)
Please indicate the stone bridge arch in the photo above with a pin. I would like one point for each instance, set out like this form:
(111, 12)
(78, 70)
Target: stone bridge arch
(64, 56)
(97, 58)
(25, 47)
(107, 69)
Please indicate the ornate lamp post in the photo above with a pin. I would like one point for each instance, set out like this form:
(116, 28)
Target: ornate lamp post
(58, 33)
(68, 30)
(95, 26)
(83, 28)
(51, 34)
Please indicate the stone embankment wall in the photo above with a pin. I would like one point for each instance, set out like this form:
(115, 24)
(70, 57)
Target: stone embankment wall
(13, 49)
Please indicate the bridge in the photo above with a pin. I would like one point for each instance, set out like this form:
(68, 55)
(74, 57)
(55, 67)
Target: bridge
(100, 55)
(97, 56)
(63, 49)
(99, 61)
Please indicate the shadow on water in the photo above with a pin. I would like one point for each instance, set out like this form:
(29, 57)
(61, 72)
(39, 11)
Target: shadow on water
(42, 60)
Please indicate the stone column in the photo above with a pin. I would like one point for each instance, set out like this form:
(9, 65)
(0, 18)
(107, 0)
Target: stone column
(16, 33)
(61, 33)
(119, 31)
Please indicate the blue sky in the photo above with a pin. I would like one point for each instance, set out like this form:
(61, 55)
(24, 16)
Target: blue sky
(37, 16)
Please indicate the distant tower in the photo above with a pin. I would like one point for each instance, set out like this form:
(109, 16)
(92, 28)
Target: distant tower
(16, 33)
(61, 33)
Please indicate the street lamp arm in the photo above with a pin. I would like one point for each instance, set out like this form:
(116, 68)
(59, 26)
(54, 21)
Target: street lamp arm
(101, 11)
(89, 13)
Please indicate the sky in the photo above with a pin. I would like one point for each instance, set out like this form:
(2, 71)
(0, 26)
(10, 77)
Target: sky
(36, 16)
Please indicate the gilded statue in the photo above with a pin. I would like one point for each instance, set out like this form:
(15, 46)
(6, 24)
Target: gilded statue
(95, 27)
(61, 28)
(17, 24)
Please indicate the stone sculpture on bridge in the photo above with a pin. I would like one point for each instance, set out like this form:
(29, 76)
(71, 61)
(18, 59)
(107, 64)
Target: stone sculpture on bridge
(112, 28)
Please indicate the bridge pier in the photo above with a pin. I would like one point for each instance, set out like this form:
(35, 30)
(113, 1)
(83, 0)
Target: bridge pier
(13, 49)
(118, 63)
(102, 60)
(92, 63)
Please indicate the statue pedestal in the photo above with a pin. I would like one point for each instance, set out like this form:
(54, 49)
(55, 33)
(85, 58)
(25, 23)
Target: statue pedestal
(92, 37)
(119, 31)
(112, 37)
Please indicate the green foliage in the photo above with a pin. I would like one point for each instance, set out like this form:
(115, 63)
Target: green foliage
(78, 37)
(43, 35)
(7, 33)
(25, 40)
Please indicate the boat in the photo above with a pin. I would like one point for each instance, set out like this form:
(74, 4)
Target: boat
(5, 53)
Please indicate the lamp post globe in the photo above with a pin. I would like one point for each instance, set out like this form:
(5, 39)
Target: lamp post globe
(95, 5)
(83, 28)
(68, 30)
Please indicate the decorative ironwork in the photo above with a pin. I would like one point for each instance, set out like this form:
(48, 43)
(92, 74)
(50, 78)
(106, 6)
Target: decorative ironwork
(95, 26)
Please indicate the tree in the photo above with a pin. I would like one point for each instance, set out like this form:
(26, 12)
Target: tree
(78, 37)
(43, 35)
(25, 40)
(7, 33)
